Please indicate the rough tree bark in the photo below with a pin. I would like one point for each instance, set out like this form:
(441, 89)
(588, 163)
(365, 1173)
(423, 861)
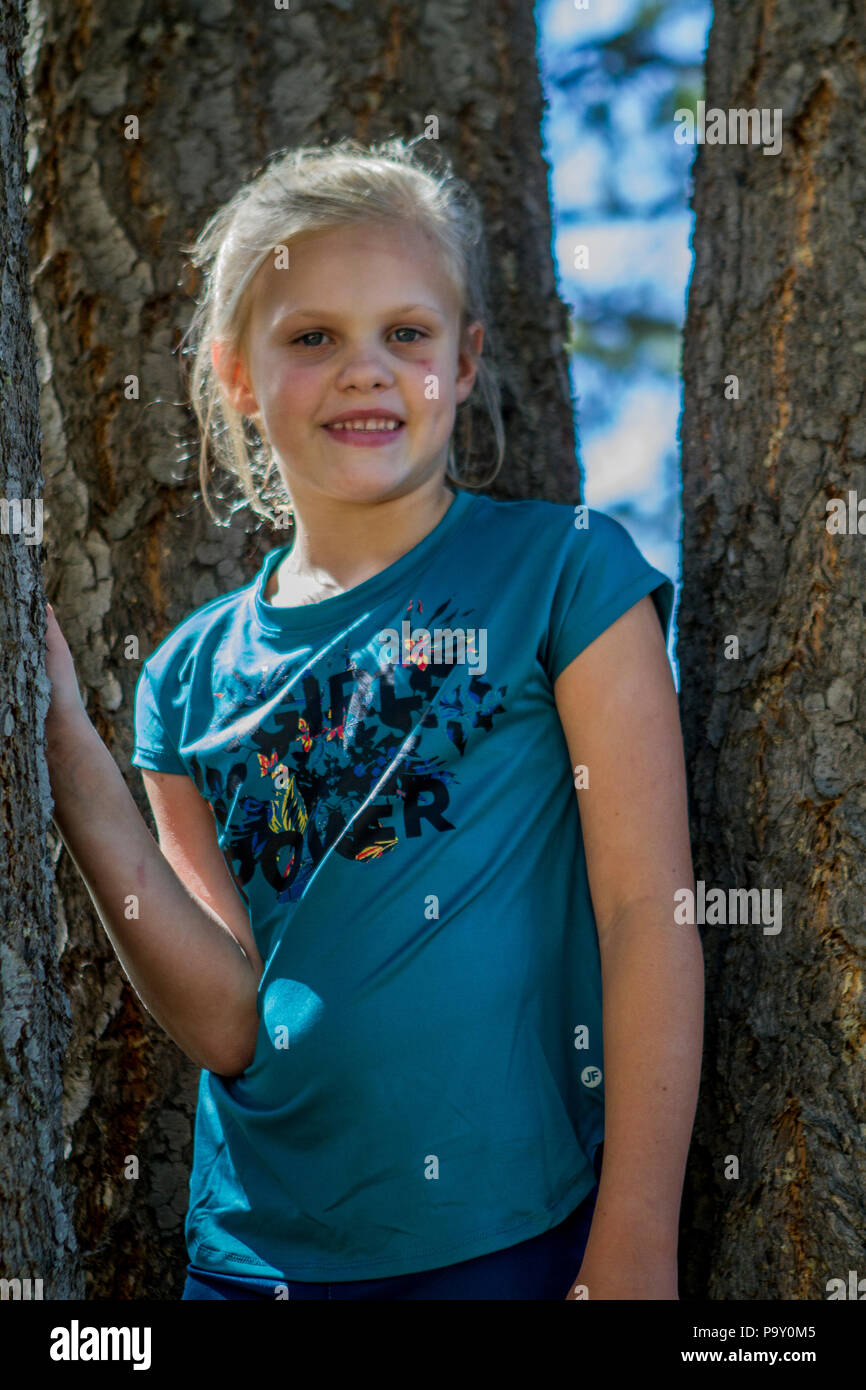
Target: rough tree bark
(216, 87)
(774, 737)
(37, 1241)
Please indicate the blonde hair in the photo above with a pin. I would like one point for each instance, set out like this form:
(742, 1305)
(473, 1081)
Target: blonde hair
(317, 188)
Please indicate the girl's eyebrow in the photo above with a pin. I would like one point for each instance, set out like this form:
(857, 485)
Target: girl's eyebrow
(330, 314)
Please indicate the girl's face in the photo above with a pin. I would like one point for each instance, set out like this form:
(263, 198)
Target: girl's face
(364, 319)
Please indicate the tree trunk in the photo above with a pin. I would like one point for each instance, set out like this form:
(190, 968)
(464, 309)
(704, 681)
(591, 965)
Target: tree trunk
(216, 87)
(37, 1241)
(774, 746)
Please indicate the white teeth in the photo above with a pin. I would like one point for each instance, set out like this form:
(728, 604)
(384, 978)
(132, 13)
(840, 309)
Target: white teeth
(365, 425)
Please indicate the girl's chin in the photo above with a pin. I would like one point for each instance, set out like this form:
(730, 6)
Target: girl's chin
(357, 475)
(366, 487)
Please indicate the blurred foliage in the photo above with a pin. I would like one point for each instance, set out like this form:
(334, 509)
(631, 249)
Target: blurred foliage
(619, 91)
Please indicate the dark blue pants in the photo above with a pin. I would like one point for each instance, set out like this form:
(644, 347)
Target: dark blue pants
(543, 1267)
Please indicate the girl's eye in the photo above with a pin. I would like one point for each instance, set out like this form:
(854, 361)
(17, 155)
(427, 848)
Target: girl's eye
(319, 333)
(408, 341)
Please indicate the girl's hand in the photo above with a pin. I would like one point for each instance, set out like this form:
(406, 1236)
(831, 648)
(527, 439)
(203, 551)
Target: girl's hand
(66, 712)
(607, 1275)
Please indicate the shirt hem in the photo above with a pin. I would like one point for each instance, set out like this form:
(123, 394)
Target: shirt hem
(153, 760)
(420, 1262)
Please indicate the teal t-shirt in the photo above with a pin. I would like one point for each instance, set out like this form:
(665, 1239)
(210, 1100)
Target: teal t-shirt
(393, 796)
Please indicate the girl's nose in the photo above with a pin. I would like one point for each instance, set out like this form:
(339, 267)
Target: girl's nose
(365, 371)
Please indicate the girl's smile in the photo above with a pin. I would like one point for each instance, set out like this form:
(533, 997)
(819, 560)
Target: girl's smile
(366, 428)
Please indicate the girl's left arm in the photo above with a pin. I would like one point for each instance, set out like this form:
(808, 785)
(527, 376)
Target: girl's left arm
(619, 712)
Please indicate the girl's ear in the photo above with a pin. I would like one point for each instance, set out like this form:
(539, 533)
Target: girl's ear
(233, 377)
(467, 361)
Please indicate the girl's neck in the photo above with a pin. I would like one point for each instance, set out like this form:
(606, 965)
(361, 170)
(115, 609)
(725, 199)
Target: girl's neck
(338, 547)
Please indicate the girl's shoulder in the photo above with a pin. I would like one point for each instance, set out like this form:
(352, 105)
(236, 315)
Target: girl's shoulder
(208, 618)
(577, 516)
(569, 533)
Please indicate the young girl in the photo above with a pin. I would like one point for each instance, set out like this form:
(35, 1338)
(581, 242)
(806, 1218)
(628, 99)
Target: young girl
(419, 787)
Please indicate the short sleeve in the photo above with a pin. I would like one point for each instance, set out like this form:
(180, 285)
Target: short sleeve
(153, 745)
(603, 575)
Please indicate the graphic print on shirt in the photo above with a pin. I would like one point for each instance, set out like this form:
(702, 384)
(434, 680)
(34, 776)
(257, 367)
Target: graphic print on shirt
(333, 760)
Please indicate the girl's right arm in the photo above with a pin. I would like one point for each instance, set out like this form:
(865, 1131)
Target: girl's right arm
(188, 951)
